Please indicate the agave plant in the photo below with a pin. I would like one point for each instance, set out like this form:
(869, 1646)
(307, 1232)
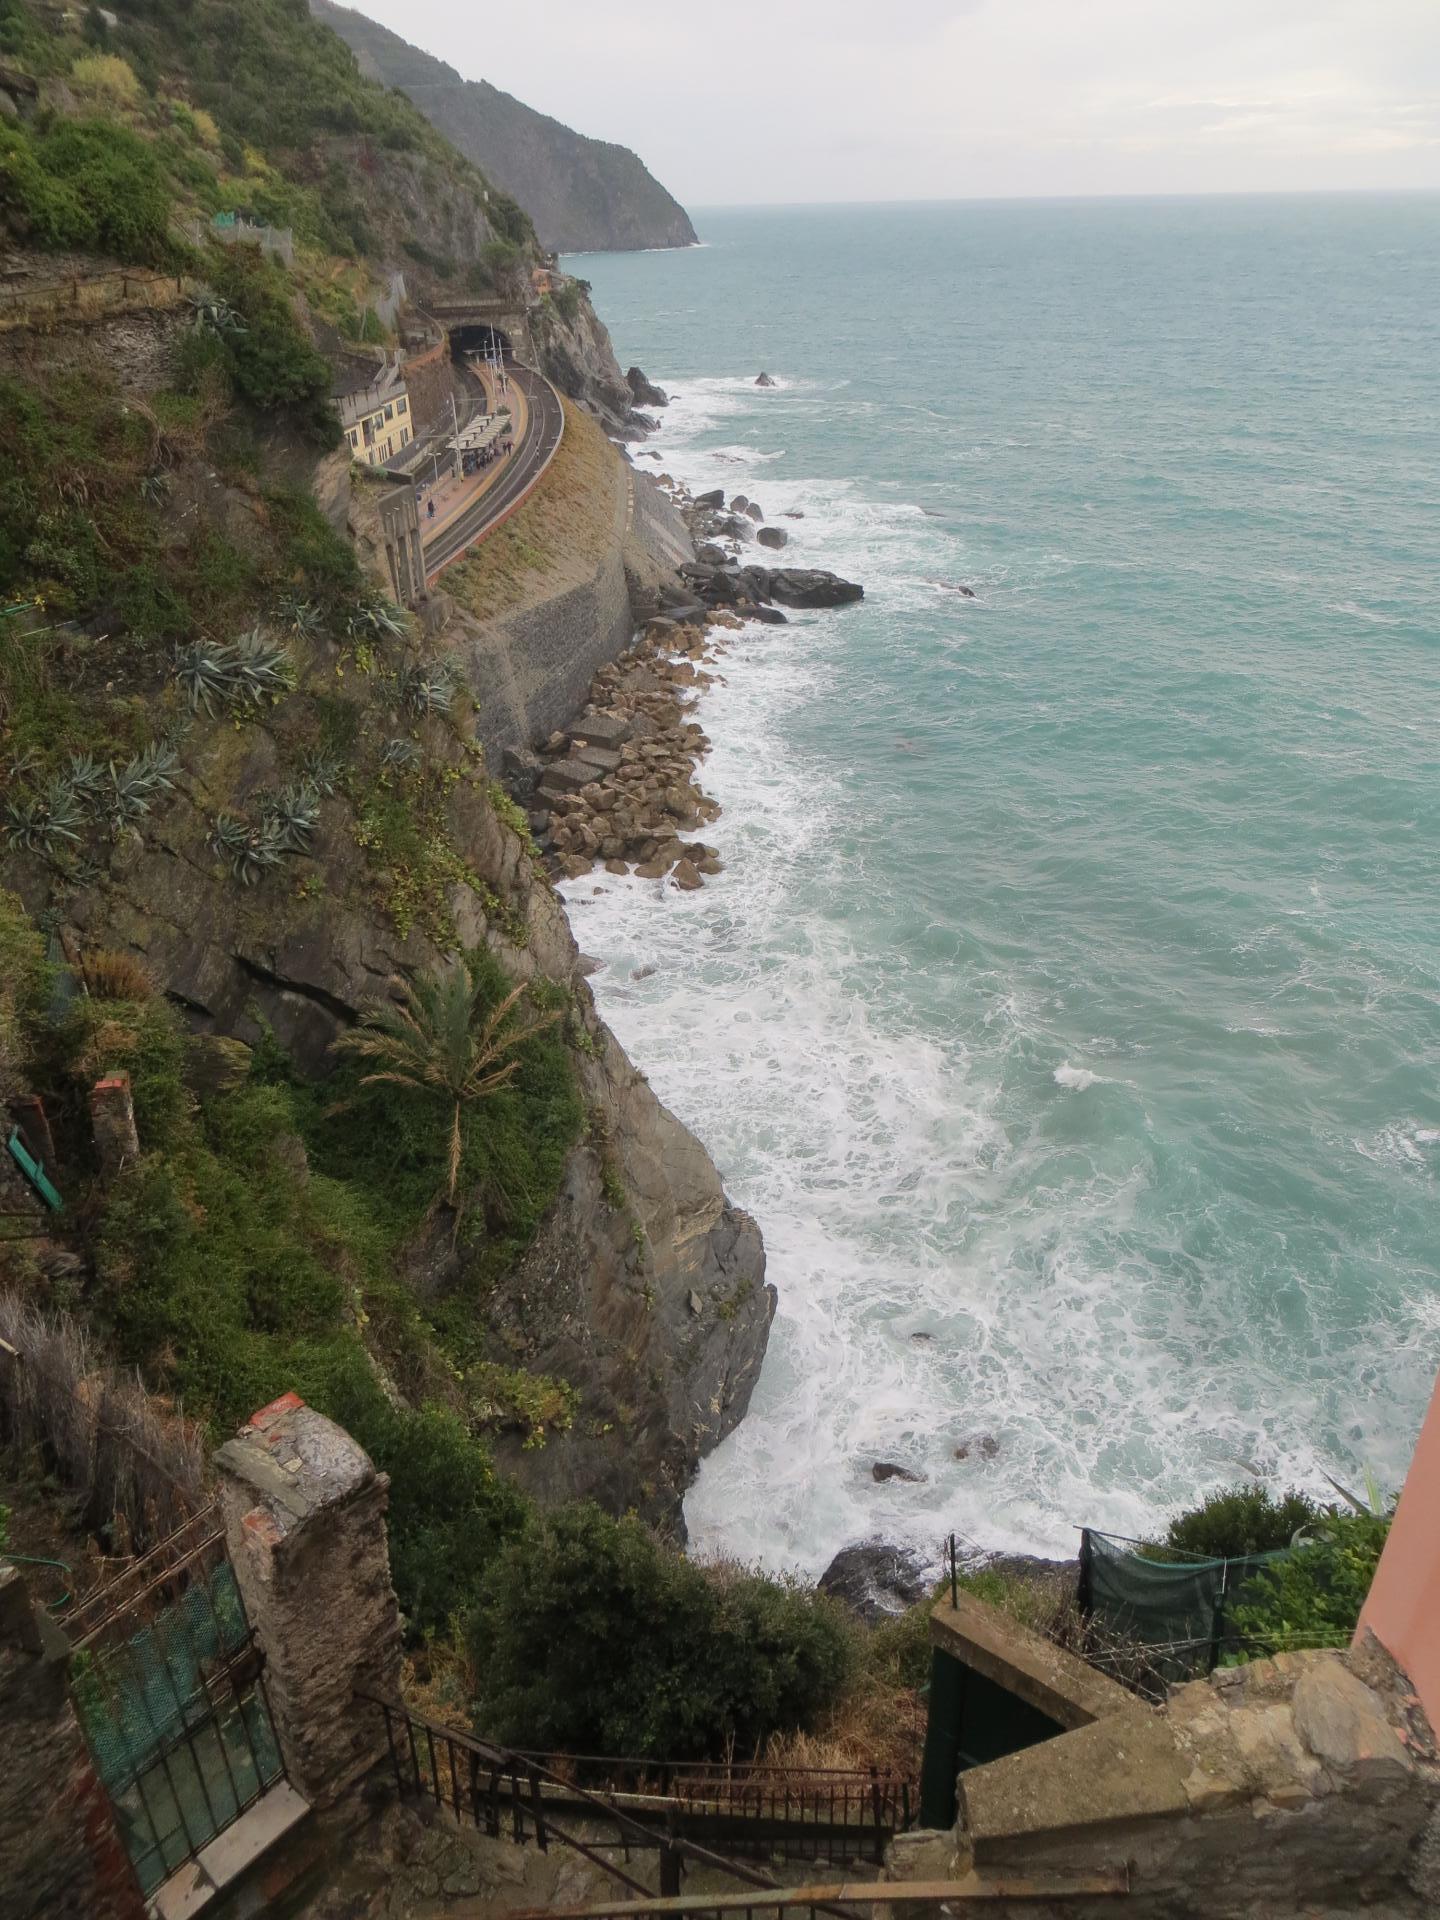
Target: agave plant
(131, 790)
(377, 619)
(242, 674)
(320, 770)
(263, 671)
(299, 616)
(215, 314)
(428, 687)
(87, 779)
(291, 816)
(400, 753)
(42, 823)
(250, 852)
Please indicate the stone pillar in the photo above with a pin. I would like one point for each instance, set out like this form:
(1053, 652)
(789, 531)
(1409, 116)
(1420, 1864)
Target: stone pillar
(305, 1522)
(112, 1120)
(61, 1856)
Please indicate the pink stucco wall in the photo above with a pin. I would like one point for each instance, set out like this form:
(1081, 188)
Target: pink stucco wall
(1403, 1610)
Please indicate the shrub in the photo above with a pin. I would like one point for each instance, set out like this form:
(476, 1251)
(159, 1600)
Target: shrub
(1240, 1520)
(273, 364)
(105, 76)
(24, 979)
(109, 973)
(1313, 1596)
(87, 184)
(594, 1636)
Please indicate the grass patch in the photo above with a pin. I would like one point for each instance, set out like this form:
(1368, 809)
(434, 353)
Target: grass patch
(557, 538)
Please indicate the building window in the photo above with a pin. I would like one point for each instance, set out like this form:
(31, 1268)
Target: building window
(400, 404)
(354, 438)
(404, 436)
(389, 411)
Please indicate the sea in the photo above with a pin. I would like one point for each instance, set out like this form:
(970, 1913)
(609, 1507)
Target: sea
(1068, 1011)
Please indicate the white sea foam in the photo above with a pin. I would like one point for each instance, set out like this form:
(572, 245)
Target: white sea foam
(899, 1191)
(1078, 1079)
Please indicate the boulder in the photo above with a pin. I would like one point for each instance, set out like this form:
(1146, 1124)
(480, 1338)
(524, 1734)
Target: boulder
(786, 513)
(770, 616)
(773, 537)
(685, 876)
(715, 498)
(605, 759)
(751, 507)
(644, 391)
(565, 777)
(764, 380)
(884, 1470)
(983, 1446)
(875, 1579)
(810, 587)
(738, 503)
(602, 729)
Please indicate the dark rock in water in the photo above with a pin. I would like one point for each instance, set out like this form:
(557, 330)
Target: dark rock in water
(710, 555)
(645, 391)
(875, 1579)
(884, 1470)
(734, 527)
(922, 1336)
(787, 513)
(715, 498)
(751, 507)
(650, 454)
(772, 616)
(982, 1445)
(794, 587)
(738, 503)
(641, 973)
(765, 381)
(773, 537)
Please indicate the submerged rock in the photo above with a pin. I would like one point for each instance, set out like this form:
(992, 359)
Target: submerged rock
(764, 380)
(884, 1470)
(773, 537)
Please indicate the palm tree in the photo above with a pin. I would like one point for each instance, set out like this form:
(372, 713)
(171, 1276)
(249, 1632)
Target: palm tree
(440, 1038)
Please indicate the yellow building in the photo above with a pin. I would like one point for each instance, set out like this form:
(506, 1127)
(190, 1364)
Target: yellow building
(375, 413)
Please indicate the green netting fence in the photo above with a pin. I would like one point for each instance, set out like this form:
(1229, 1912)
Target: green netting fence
(1178, 1610)
(178, 1729)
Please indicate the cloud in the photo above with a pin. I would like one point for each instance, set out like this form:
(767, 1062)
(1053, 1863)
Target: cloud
(852, 99)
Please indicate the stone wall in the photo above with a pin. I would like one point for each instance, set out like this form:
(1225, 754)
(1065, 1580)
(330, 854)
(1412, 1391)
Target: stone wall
(60, 1854)
(305, 1523)
(1303, 1785)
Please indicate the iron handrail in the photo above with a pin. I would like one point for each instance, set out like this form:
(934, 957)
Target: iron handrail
(505, 1763)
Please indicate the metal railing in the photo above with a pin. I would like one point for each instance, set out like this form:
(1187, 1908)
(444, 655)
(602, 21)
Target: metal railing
(790, 1903)
(505, 1793)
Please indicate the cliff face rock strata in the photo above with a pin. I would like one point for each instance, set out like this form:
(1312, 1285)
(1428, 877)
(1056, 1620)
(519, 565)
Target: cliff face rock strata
(584, 195)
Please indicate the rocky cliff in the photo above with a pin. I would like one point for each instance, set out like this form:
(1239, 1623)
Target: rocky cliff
(583, 195)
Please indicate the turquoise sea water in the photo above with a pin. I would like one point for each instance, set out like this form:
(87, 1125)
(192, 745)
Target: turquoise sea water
(1072, 995)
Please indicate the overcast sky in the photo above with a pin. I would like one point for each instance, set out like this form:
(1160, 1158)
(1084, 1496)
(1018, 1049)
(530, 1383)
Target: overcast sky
(807, 100)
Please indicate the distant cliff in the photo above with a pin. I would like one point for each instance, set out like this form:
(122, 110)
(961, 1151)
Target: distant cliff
(583, 195)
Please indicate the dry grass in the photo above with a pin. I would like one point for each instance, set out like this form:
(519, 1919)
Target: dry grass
(557, 539)
(109, 973)
(125, 1455)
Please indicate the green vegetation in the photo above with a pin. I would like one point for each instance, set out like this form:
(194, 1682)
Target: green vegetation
(645, 1652)
(1238, 1521)
(265, 353)
(448, 1040)
(1313, 1596)
(86, 184)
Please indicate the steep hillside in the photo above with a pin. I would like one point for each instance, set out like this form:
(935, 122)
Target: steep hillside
(232, 765)
(583, 195)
